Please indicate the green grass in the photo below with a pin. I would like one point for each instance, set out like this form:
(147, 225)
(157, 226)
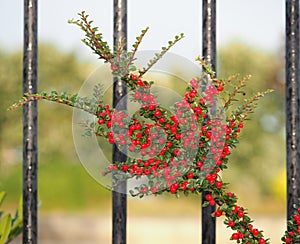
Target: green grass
(67, 187)
(62, 186)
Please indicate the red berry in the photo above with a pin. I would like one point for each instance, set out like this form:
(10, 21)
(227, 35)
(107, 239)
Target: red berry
(231, 223)
(101, 121)
(133, 77)
(169, 144)
(297, 217)
(145, 98)
(261, 241)
(218, 213)
(139, 135)
(220, 88)
(122, 142)
(161, 141)
(173, 189)
(140, 83)
(144, 146)
(161, 120)
(110, 167)
(153, 189)
(208, 197)
(235, 236)
(152, 107)
(176, 153)
(157, 113)
(200, 165)
(241, 214)
(137, 95)
(109, 124)
(125, 168)
(212, 203)
(219, 184)
(241, 235)
(178, 136)
(184, 185)
(208, 135)
(190, 175)
(255, 232)
(219, 163)
(194, 83)
(111, 140)
(288, 240)
(138, 126)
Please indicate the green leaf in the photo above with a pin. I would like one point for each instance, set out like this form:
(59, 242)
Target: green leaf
(18, 215)
(205, 204)
(5, 226)
(16, 223)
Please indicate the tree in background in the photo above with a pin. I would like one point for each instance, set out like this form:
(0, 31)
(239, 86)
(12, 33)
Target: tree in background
(61, 176)
(56, 69)
(262, 149)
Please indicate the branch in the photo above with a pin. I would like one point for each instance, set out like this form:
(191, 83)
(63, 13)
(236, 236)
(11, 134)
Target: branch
(160, 55)
(93, 39)
(85, 104)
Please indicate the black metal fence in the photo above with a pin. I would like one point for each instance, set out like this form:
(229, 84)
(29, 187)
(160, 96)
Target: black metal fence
(30, 162)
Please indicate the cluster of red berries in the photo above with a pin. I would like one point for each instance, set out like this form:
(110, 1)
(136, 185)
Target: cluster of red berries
(182, 149)
(248, 232)
(236, 217)
(177, 149)
(293, 235)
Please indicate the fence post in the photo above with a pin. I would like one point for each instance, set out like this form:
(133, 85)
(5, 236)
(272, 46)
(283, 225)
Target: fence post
(292, 105)
(209, 53)
(119, 198)
(30, 161)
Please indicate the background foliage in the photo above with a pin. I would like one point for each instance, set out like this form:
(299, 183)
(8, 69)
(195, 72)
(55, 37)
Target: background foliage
(256, 170)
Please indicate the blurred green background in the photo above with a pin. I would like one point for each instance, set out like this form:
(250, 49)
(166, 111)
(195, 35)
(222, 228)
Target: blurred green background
(257, 168)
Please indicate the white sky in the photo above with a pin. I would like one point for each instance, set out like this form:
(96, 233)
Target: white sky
(259, 23)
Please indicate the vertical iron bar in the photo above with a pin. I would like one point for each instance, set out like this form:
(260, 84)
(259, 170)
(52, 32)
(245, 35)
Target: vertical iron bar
(209, 53)
(30, 161)
(292, 105)
(209, 32)
(119, 198)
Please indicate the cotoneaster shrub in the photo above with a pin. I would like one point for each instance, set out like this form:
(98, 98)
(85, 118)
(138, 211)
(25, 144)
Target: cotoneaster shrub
(179, 149)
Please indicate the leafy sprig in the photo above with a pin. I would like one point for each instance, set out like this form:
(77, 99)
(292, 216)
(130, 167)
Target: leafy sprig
(72, 100)
(93, 38)
(159, 55)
